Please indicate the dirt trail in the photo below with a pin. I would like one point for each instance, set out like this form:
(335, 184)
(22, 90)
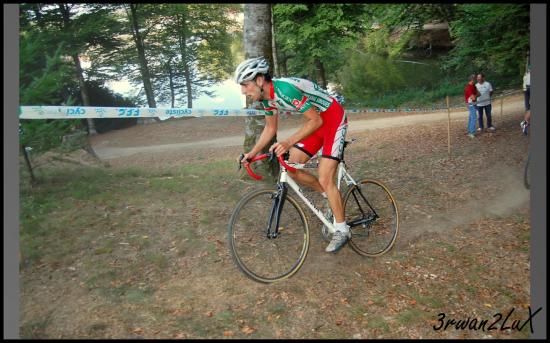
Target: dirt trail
(106, 151)
(139, 146)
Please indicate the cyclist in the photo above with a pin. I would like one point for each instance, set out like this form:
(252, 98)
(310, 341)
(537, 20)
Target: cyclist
(325, 127)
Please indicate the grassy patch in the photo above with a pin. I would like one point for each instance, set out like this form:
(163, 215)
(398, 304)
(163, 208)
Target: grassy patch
(158, 260)
(409, 316)
(448, 247)
(378, 323)
(35, 329)
(138, 294)
(170, 183)
(96, 329)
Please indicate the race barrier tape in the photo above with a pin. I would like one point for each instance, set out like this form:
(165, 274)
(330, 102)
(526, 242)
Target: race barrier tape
(82, 112)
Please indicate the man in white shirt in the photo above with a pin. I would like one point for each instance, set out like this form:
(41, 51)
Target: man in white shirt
(527, 98)
(527, 88)
(484, 102)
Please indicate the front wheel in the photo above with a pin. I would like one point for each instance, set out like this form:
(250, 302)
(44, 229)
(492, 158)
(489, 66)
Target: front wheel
(372, 214)
(265, 257)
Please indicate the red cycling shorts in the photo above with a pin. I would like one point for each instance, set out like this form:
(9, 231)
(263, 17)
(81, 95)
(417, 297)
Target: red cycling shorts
(330, 136)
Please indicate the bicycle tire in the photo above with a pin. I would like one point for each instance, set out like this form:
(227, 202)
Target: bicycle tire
(373, 237)
(526, 179)
(264, 259)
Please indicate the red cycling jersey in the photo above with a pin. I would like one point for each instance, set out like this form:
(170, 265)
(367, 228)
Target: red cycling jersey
(299, 95)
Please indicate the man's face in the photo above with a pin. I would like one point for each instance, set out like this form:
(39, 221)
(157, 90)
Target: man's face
(251, 89)
(480, 79)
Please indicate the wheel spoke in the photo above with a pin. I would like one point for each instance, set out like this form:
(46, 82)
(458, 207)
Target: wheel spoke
(261, 258)
(372, 213)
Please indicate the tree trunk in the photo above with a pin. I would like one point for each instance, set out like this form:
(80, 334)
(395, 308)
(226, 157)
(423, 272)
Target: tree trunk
(67, 25)
(320, 70)
(65, 12)
(84, 93)
(284, 71)
(28, 163)
(182, 32)
(171, 79)
(257, 42)
(145, 74)
(274, 47)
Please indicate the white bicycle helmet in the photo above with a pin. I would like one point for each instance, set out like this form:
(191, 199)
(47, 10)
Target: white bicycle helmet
(249, 68)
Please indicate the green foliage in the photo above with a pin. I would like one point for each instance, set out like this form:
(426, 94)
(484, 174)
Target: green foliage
(44, 80)
(43, 135)
(490, 38)
(377, 81)
(187, 49)
(409, 15)
(48, 40)
(307, 32)
(44, 77)
(390, 27)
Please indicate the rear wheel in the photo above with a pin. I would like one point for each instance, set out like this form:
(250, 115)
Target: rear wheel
(371, 212)
(261, 258)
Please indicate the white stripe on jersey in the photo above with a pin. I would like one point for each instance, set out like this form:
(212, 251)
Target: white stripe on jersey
(339, 138)
(317, 95)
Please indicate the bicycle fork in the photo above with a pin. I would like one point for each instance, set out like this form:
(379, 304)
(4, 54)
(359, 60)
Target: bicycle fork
(276, 209)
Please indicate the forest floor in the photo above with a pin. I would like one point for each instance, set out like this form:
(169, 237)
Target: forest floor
(135, 246)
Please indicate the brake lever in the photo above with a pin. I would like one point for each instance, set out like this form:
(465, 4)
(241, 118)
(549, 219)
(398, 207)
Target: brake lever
(241, 156)
(272, 156)
(286, 155)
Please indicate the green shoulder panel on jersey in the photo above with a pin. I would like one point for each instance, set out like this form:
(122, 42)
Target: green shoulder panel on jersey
(269, 110)
(291, 96)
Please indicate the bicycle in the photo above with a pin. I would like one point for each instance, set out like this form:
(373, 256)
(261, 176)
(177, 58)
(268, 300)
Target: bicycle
(268, 231)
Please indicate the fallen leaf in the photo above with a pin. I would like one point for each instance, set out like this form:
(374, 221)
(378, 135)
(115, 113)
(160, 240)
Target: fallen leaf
(228, 333)
(344, 301)
(247, 330)
(178, 312)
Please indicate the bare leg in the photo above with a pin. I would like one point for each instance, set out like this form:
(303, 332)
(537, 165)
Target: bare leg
(301, 176)
(327, 173)
(325, 183)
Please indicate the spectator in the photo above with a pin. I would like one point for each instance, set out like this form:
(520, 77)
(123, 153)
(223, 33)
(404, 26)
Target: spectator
(484, 102)
(470, 95)
(527, 97)
(527, 88)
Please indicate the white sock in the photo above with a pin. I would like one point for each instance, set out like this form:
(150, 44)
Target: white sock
(342, 227)
(324, 194)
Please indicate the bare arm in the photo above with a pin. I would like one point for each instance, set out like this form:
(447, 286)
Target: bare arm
(268, 133)
(313, 122)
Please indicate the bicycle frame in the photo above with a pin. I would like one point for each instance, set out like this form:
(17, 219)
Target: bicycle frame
(286, 179)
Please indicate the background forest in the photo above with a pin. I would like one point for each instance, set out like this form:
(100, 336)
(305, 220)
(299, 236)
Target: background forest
(376, 55)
